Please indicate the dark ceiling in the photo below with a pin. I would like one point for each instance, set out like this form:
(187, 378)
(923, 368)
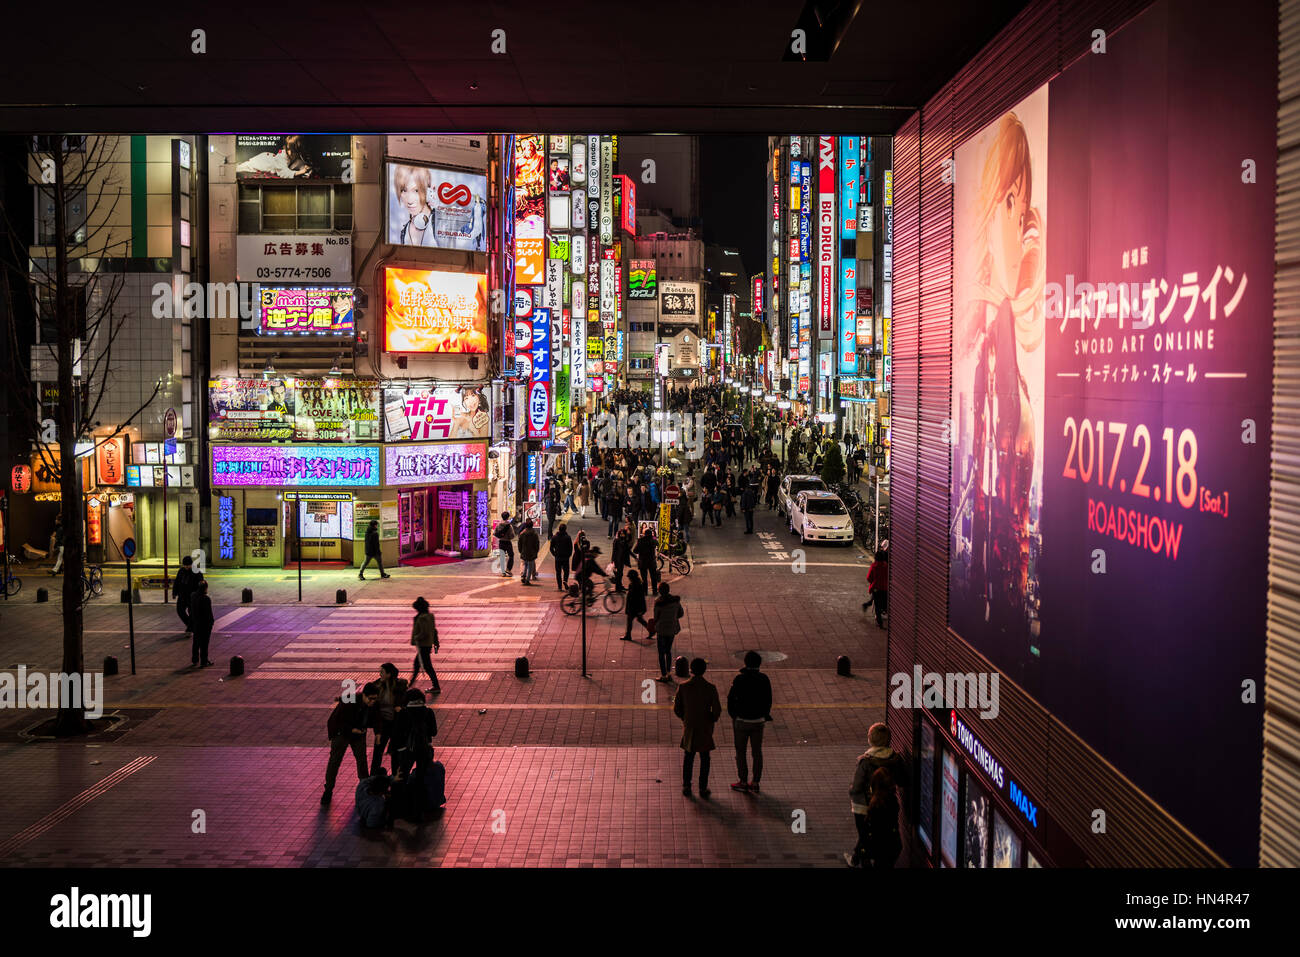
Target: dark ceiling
(636, 66)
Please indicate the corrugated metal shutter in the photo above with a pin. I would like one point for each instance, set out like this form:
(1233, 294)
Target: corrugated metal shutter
(1280, 806)
(1049, 759)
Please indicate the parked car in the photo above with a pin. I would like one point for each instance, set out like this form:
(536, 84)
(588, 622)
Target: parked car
(792, 485)
(820, 517)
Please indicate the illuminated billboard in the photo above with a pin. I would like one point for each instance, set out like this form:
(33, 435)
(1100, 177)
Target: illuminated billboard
(428, 310)
(295, 466)
(293, 156)
(435, 463)
(641, 279)
(438, 208)
(314, 312)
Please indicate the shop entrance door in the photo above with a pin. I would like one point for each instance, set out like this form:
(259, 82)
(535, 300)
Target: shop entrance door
(419, 523)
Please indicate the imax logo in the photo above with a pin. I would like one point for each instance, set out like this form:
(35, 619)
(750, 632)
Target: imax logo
(1021, 800)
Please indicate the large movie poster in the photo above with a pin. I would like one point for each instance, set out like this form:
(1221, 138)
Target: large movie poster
(1112, 374)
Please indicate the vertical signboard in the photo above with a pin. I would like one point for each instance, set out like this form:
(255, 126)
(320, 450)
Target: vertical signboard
(848, 165)
(826, 235)
(578, 349)
(757, 304)
(539, 390)
(606, 191)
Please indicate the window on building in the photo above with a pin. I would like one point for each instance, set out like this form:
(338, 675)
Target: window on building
(74, 216)
(71, 144)
(295, 209)
(47, 320)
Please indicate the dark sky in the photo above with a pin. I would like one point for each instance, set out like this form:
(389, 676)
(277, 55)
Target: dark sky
(733, 198)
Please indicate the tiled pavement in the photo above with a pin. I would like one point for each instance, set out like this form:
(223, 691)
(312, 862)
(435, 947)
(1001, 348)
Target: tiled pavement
(584, 769)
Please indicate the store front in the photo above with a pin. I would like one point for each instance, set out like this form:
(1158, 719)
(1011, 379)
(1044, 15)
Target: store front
(968, 809)
(430, 520)
(441, 493)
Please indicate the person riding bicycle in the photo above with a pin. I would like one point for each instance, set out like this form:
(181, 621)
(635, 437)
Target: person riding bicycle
(590, 566)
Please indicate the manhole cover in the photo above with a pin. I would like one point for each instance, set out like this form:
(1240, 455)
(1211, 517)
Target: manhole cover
(767, 656)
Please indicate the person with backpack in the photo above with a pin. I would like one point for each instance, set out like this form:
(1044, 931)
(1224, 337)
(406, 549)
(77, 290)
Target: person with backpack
(635, 607)
(749, 502)
(878, 587)
(374, 553)
(647, 557)
(697, 704)
(614, 507)
(879, 755)
(347, 729)
(561, 548)
(413, 734)
(530, 546)
(749, 702)
(879, 842)
(424, 636)
(505, 536)
(183, 587)
(202, 621)
(667, 625)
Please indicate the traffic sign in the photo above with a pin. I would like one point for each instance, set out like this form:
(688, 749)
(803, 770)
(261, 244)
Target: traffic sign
(673, 494)
(169, 447)
(128, 548)
(169, 423)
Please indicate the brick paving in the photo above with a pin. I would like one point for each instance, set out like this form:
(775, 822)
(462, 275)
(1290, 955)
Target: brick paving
(554, 770)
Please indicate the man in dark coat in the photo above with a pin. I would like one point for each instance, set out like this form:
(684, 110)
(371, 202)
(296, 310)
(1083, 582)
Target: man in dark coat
(622, 556)
(562, 553)
(530, 545)
(347, 729)
(698, 706)
(202, 622)
(749, 702)
(505, 536)
(647, 558)
(748, 502)
(182, 588)
(613, 508)
(374, 552)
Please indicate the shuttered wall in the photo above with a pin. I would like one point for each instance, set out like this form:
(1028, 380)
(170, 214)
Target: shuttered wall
(1280, 811)
(1047, 757)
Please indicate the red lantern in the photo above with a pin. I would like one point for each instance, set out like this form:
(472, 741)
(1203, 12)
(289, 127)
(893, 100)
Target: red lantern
(20, 479)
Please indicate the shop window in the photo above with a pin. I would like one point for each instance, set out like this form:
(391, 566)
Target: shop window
(74, 216)
(294, 209)
(71, 144)
(47, 319)
(260, 516)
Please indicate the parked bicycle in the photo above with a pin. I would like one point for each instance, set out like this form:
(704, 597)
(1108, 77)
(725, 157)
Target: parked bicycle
(612, 599)
(92, 582)
(13, 584)
(680, 564)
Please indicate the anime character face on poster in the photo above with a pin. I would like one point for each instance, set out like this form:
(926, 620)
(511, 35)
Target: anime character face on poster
(998, 370)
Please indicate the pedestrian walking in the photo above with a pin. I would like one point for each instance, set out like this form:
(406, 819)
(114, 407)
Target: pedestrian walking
(505, 535)
(374, 552)
(749, 502)
(390, 693)
(201, 622)
(749, 702)
(879, 842)
(56, 545)
(584, 497)
(561, 553)
(552, 506)
(530, 545)
(614, 508)
(182, 588)
(773, 484)
(570, 489)
(878, 587)
(635, 606)
(424, 637)
(668, 613)
(697, 704)
(646, 553)
(622, 556)
(346, 729)
(719, 503)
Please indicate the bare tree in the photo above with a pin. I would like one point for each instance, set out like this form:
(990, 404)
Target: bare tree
(81, 353)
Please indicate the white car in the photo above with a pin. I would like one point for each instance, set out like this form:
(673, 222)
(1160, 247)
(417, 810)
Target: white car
(820, 517)
(792, 485)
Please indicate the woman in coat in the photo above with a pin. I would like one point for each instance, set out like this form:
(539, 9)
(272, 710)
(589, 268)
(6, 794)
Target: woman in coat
(424, 638)
(636, 605)
(584, 497)
(698, 705)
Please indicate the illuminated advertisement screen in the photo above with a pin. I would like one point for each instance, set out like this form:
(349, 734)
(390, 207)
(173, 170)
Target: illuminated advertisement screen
(314, 312)
(293, 156)
(439, 462)
(437, 208)
(431, 311)
(300, 466)
(978, 806)
(441, 413)
(312, 410)
(641, 279)
(1111, 399)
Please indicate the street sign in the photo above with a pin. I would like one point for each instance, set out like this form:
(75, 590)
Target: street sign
(128, 548)
(169, 447)
(673, 494)
(169, 423)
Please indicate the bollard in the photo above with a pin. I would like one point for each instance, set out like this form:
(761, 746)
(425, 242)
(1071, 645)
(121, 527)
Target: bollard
(236, 666)
(42, 594)
(126, 596)
(110, 666)
(247, 596)
(341, 596)
(682, 667)
(521, 667)
(842, 666)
